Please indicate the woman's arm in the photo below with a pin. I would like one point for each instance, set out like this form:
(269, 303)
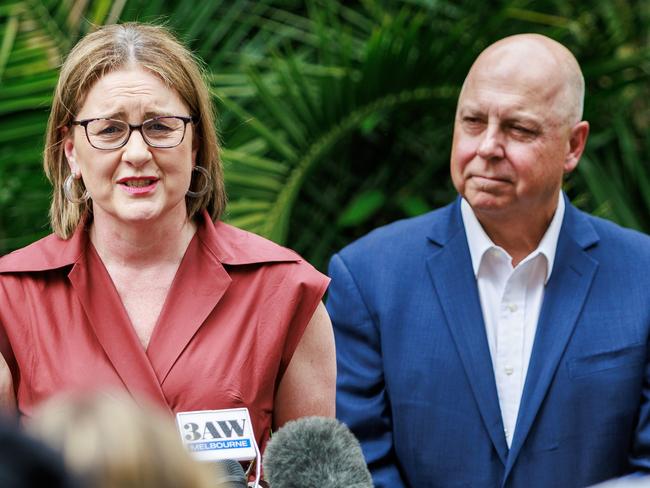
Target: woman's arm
(7, 395)
(308, 386)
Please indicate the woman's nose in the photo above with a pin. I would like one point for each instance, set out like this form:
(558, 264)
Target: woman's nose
(136, 150)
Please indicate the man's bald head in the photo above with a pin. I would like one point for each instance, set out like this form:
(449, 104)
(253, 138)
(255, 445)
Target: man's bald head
(539, 58)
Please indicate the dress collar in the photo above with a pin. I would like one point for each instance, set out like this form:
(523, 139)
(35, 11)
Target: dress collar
(230, 245)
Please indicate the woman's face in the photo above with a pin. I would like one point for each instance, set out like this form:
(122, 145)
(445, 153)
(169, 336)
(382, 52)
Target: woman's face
(135, 183)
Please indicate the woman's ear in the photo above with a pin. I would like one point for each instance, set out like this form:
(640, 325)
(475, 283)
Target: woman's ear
(69, 151)
(195, 146)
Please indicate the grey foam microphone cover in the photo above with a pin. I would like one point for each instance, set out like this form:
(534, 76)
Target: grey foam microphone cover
(315, 452)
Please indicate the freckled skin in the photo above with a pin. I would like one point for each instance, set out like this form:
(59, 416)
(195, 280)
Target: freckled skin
(133, 95)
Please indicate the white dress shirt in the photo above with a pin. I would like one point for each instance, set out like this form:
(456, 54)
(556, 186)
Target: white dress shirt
(511, 299)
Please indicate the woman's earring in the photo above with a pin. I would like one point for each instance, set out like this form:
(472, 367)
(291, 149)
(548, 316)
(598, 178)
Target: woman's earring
(69, 193)
(206, 186)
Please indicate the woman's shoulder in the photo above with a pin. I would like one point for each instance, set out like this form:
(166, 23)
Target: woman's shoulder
(50, 252)
(236, 246)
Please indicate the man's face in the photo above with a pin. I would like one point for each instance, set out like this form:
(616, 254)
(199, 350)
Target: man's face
(511, 137)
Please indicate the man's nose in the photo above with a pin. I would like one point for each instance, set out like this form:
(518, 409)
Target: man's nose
(491, 145)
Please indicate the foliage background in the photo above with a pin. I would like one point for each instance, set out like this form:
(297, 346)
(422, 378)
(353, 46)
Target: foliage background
(336, 116)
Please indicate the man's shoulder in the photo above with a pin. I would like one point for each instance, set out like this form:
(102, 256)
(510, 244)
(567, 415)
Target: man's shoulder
(612, 235)
(618, 250)
(402, 236)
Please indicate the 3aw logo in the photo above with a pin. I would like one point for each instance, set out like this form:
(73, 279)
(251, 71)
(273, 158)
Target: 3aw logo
(210, 430)
(213, 435)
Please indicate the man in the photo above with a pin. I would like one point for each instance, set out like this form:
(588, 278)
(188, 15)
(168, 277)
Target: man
(500, 341)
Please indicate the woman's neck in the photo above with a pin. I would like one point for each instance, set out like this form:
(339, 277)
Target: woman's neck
(142, 244)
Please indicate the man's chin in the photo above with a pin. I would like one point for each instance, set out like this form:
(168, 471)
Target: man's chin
(488, 202)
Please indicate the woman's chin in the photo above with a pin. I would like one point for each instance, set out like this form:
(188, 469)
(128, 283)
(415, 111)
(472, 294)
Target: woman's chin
(133, 215)
(139, 211)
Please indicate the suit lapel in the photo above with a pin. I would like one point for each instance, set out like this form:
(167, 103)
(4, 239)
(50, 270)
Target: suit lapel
(453, 278)
(564, 298)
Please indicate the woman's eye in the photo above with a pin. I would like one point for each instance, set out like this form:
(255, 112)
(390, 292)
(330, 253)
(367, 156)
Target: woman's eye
(111, 129)
(158, 127)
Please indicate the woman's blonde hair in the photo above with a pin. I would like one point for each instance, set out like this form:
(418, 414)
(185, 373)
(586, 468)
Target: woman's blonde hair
(109, 441)
(111, 48)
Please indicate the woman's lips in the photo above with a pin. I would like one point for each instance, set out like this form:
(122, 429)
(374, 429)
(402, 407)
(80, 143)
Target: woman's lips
(138, 186)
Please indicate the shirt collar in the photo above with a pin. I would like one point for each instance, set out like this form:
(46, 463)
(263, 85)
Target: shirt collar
(479, 242)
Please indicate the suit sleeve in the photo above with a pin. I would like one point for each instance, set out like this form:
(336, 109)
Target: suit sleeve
(362, 401)
(640, 456)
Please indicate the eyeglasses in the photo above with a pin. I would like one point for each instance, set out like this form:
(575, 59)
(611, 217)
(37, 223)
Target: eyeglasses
(162, 132)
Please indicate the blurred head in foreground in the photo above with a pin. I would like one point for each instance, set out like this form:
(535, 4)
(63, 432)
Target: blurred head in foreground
(28, 463)
(112, 442)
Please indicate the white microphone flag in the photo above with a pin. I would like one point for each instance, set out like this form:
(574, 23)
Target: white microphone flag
(215, 435)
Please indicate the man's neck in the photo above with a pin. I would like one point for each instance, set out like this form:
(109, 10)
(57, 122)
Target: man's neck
(519, 235)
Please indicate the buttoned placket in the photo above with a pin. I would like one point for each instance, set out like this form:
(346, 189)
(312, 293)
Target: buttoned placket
(510, 348)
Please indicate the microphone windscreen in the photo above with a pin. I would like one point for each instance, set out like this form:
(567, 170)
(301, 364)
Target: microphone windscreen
(316, 452)
(231, 474)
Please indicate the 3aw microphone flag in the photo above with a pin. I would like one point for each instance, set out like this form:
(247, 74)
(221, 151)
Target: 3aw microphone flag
(215, 435)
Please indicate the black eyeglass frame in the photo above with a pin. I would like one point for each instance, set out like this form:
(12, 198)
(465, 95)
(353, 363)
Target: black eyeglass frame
(84, 123)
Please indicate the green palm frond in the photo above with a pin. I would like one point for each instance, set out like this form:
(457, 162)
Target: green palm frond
(303, 119)
(29, 58)
(336, 117)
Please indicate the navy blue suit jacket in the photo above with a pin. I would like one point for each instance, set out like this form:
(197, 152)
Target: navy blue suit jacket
(415, 377)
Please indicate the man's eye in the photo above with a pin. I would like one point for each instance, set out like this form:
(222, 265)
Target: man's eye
(473, 125)
(523, 130)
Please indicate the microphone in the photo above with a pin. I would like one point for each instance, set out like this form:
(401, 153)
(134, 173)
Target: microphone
(315, 452)
(231, 475)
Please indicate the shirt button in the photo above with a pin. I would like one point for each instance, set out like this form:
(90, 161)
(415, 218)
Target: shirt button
(512, 307)
(508, 370)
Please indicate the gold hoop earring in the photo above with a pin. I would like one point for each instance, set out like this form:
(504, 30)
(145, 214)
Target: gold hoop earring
(69, 194)
(206, 186)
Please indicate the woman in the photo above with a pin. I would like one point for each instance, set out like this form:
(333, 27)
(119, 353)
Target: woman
(141, 286)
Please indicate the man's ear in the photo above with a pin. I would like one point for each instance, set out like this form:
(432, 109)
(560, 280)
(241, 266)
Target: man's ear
(70, 152)
(577, 143)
